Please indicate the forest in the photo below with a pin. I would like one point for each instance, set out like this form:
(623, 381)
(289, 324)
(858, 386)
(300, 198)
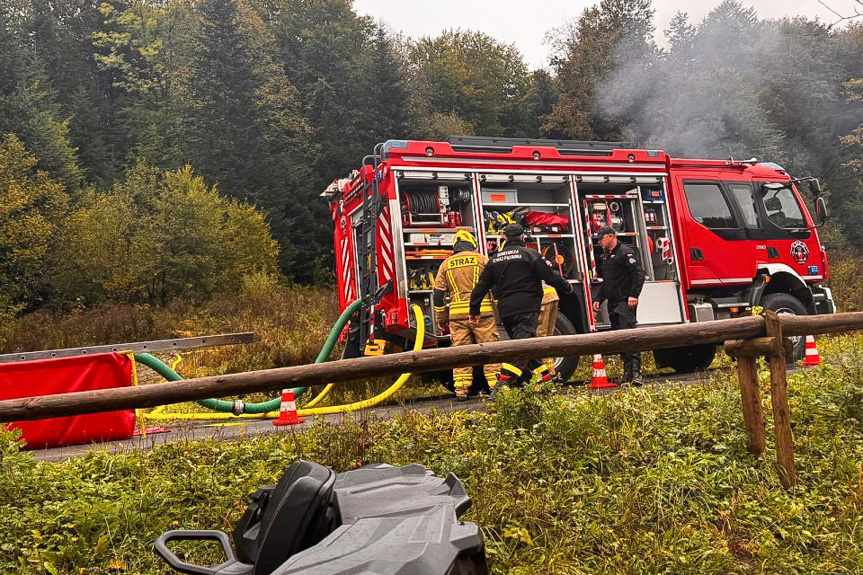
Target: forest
(160, 149)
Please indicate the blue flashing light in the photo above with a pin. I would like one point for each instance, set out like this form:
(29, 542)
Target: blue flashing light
(773, 166)
(813, 270)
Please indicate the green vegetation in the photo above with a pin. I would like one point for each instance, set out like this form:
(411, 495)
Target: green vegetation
(290, 322)
(647, 481)
(269, 101)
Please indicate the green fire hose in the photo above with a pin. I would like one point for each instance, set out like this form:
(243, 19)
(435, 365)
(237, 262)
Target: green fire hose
(238, 407)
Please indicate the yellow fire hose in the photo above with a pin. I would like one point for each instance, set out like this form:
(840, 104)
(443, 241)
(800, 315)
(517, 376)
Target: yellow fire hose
(310, 410)
(161, 408)
(320, 396)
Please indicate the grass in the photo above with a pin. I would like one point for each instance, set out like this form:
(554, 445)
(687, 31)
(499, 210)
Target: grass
(656, 480)
(644, 481)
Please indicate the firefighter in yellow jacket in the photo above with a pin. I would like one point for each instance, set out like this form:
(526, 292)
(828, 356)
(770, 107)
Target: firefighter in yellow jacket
(456, 279)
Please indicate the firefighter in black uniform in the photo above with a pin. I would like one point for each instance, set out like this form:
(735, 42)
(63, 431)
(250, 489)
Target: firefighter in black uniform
(515, 275)
(622, 280)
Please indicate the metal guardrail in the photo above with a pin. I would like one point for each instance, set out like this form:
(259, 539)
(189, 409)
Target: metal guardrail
(184, 343)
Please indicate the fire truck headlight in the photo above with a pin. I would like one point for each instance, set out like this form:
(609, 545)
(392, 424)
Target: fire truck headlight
(631, 157)
(536, 155)
(429, 151)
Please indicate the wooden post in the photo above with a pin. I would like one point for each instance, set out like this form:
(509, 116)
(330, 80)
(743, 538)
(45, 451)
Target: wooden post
(750, 393)
(779, 399)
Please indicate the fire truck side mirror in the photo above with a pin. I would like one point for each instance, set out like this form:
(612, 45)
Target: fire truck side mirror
(815, 187)
(820, 209)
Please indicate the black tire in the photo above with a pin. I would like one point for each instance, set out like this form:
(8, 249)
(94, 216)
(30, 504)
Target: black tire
(686, 359)
(786, 304)
(565, 366)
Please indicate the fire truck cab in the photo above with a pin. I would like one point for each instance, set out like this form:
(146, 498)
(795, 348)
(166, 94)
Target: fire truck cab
(714, 237)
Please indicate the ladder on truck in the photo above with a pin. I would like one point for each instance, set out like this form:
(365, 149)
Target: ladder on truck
(367, 252)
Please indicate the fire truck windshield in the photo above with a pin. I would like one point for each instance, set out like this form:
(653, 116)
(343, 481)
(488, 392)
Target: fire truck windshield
(781, 206)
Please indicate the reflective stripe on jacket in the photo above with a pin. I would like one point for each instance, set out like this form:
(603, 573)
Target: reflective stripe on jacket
(456, 278)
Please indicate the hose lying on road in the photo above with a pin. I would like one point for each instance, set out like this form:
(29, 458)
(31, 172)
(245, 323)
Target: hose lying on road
(225, 409)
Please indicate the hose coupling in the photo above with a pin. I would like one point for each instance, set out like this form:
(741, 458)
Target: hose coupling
(239, 407)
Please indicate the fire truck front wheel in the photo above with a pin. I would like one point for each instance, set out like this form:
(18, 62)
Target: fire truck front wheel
(685, 359)
(786, 304)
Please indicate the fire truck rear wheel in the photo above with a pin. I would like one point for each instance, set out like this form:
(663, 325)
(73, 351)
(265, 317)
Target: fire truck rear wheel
(565, 366)
(685, 359)
(786, 304)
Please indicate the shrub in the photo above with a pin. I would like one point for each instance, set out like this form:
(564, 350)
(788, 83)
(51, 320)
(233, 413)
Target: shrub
(656, 480)
(158, 236)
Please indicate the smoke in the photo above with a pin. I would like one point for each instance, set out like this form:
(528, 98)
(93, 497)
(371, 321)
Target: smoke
(732, 86)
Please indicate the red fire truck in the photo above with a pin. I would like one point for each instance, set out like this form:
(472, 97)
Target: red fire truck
(715, 237)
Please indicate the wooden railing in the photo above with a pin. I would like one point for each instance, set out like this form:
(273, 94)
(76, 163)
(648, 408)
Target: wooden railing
(744, 338)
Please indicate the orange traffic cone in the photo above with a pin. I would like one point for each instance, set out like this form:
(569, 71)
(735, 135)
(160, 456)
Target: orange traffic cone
(288, 410)
(600, 379)
(812, 358)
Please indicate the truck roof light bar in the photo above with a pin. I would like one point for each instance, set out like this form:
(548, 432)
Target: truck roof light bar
(505, 145)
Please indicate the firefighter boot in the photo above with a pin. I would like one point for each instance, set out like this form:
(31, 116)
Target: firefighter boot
(462, 383)
(492, 373)
(555, 377)
(543, 375)
(632, 370)
(636, 371)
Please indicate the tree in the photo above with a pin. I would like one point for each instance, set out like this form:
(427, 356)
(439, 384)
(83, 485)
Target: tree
(470, 78)
(157, 236)
(351, 95)
(530, 114)
(705, 97)
(244, 129)
(27, 105)
(384, 109)
(588, 51)
(31, 204)
(139, 53)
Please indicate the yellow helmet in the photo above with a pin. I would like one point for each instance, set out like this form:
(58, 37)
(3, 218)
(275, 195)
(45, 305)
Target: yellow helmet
(464, 236)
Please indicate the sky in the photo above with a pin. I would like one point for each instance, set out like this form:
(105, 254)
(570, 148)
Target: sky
(526, 23)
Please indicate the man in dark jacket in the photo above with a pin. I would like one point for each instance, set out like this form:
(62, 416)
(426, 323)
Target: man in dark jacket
(622, 280)
(515, 275)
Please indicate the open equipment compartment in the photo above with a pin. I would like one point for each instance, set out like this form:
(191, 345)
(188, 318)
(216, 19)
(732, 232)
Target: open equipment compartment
(542, 203)
(638, 212)
(434, 207)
